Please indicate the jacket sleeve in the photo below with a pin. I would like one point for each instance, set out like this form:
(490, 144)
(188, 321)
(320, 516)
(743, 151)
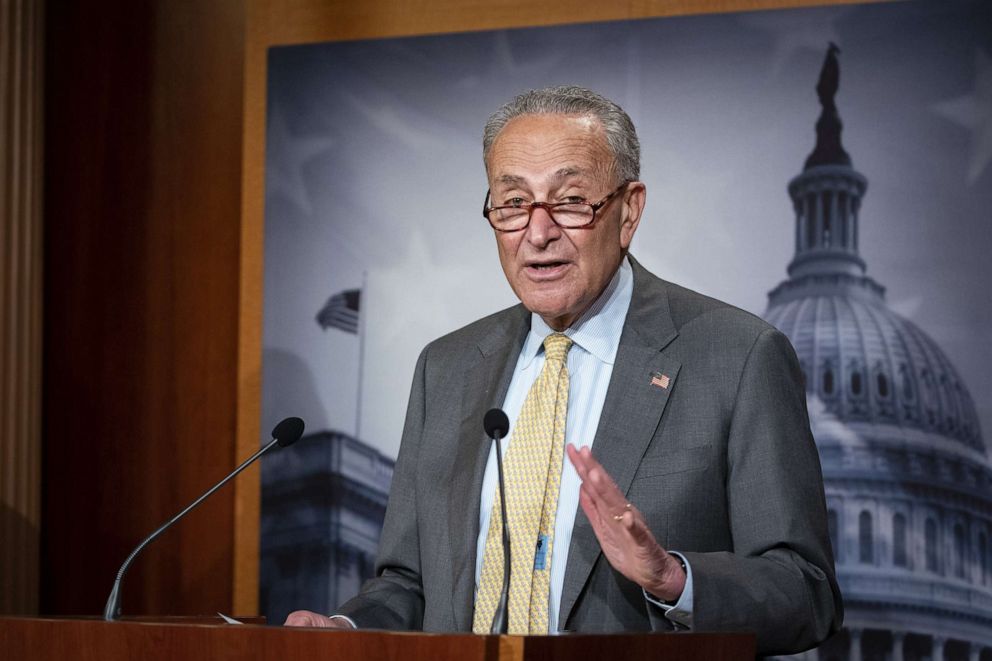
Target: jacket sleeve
(779, 580)
(394, 598)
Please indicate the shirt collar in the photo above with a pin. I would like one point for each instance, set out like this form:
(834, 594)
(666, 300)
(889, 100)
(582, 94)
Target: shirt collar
(598, 330)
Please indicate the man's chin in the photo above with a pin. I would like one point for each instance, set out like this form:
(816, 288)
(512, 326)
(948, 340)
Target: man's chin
(551, 312)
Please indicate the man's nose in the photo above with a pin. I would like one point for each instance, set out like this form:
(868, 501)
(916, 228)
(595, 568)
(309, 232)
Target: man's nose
(542, 229)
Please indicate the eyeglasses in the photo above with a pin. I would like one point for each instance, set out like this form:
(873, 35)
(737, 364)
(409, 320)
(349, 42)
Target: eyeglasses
(572, 215)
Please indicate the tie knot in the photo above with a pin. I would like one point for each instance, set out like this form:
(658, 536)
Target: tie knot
(556, 346)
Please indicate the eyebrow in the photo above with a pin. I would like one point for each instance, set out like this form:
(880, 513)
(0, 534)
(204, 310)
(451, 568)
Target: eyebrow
(557, 177)
(511, 180)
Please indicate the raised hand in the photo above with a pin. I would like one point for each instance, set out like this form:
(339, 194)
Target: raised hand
(622, 532)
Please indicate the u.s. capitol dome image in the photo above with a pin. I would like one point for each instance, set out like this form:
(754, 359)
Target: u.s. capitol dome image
(907, 474)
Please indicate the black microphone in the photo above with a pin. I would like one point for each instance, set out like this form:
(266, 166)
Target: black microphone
(284, 434)
(497, 425)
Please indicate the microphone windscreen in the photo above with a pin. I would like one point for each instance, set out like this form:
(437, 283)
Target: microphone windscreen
(496, 422)
(288, 431)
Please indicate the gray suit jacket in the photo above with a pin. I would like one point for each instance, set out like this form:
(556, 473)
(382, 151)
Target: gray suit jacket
(721, 463)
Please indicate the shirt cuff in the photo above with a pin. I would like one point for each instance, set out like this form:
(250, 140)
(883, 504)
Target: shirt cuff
(345, 618)
(679, 613)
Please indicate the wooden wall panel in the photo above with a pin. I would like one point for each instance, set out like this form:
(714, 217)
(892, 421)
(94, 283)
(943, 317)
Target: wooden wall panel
(20, 303)
(153, 295)
(142, 185)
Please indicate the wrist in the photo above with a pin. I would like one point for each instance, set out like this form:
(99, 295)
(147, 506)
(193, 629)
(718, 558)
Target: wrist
(671, 582)
(341, 622)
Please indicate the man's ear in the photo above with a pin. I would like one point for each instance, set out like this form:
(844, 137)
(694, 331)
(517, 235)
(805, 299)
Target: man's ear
(630, 211)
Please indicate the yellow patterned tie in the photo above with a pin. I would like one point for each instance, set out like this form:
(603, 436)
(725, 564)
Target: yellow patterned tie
(533, 474)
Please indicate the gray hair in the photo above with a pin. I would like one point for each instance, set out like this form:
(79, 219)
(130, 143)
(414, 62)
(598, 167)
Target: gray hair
(621, 137)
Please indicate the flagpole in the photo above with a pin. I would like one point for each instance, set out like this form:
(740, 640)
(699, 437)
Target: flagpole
(362, 305)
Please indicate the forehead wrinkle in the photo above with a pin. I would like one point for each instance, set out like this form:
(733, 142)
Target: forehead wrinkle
(555, 180)
(559, 177)
(556, 176)
(524, 156)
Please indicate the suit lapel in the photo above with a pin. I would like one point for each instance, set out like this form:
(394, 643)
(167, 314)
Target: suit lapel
(631, 413)
(486, 381)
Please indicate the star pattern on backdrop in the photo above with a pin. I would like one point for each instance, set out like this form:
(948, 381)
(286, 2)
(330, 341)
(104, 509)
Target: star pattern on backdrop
(502, 65)
(287, 158)
(795, 31)
(508, 64)
(973, 111)
(397, 119)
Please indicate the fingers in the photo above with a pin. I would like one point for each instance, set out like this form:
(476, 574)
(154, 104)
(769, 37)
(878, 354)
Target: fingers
(607, 498)
(638, 529)
(311, 619)
(299, 619)
(585, 502)
(604, 504)
(578, 461)
(590, 470)
(621, 530)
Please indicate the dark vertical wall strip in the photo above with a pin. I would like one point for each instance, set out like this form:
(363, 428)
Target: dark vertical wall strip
(142, 207)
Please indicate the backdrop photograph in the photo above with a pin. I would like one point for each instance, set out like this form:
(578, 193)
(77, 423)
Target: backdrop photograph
(871, 255)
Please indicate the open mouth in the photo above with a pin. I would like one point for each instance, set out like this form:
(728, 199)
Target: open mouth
(546, 270)
(548, 266)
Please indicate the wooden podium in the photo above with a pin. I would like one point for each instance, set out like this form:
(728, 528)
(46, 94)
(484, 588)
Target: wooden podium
(195, 638)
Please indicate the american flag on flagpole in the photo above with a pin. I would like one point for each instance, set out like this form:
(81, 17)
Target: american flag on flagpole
(341, 311)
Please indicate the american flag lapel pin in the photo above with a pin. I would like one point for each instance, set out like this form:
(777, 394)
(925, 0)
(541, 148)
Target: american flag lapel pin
(660, 380)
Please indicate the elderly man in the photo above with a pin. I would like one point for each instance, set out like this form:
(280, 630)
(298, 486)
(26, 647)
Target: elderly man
(683, 421)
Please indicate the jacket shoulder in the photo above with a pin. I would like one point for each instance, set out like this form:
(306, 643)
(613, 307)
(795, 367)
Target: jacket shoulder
(692, 311)
(666, 307)
(482, 333)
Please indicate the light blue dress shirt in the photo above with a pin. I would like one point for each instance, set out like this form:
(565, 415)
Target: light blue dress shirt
(595, 340)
